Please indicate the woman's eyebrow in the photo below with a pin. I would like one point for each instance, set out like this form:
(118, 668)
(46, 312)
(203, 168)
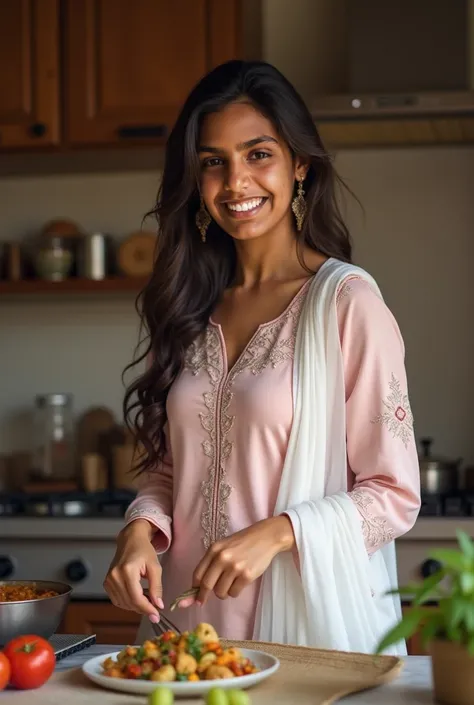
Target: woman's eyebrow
(242, 145)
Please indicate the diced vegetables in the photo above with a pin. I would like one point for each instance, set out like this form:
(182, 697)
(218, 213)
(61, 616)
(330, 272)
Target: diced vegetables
(191, 656)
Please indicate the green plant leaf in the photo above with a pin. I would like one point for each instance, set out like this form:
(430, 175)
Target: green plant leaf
(450, 559)
(470, 646)
(455, 610)
(405, 628)
(466, 581)
(431, 628)
(427, 588)
(410, 589)
(466, 544)
(469, 616)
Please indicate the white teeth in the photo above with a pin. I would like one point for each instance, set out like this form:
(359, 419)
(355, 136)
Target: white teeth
(245, 205)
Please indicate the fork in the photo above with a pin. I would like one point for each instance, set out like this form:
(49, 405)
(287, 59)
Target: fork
(164, 625)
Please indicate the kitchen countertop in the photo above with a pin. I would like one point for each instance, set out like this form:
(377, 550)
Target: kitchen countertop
(413, 686)
(105, 528)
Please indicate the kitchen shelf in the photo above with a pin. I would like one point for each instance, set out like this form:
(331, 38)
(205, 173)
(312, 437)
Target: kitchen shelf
(73, 286)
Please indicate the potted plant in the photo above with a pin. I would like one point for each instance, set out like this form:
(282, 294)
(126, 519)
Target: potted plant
(448, 631)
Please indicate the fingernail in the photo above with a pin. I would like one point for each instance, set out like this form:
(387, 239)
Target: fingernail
(199, 603)
(187, 602)
(154, 618)
(160, 603)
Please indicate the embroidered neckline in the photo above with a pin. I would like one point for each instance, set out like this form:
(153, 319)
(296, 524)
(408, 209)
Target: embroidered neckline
(299, 293)
(208, 353)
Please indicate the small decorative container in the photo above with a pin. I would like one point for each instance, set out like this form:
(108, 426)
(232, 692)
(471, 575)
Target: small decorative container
(53, 258)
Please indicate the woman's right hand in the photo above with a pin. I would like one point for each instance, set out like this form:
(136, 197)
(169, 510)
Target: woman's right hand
(135, 558)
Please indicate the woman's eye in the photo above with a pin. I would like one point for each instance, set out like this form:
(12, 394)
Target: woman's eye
(259, 155)
(212, 161)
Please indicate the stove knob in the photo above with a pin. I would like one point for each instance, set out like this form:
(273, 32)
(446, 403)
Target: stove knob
(6, 567)
(76, 571)
(429, 567)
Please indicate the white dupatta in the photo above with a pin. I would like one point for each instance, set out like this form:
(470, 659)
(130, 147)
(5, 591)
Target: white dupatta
(336, 600)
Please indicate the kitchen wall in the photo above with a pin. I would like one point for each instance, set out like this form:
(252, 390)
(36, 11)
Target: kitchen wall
(416, 236)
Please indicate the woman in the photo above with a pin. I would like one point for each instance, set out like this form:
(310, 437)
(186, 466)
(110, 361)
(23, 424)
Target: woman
(279, 458)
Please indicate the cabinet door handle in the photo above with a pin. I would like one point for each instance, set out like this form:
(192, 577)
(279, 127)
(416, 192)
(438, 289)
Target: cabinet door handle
(133, 131)
(38, 129)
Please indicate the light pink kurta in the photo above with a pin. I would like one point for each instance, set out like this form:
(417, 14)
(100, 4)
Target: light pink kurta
(228, 432)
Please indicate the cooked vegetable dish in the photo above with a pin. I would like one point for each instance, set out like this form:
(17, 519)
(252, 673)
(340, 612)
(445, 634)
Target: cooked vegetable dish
(20, 593)
(191, 656)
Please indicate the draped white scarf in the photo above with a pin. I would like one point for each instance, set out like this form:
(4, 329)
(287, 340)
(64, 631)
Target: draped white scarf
(336, 600)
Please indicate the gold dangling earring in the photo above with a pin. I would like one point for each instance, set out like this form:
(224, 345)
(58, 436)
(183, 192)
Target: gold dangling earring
(203, 220)
(298, 206)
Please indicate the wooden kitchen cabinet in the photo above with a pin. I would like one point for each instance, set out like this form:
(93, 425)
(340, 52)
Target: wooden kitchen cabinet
(29, 73)
(111, 624)
(130, 65)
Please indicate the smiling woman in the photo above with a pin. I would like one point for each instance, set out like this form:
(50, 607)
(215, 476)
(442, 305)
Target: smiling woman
(278, 448)
(247, 185)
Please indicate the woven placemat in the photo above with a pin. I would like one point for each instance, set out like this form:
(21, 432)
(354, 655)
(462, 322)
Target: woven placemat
(306, 677)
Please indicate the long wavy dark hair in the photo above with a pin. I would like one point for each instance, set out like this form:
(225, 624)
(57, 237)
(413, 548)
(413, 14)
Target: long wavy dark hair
(189, 277)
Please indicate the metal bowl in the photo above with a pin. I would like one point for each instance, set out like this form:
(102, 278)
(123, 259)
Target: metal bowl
(41, 616)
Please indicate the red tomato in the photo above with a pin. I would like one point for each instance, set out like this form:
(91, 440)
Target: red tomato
(32, 660)
(5, 671)
(134, 671)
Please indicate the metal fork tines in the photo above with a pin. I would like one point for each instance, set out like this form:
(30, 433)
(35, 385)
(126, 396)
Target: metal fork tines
(164, 625)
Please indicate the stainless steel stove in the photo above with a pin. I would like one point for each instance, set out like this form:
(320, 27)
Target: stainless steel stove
(453, 504)
(77, 547)
(439, 519)
(68, 537)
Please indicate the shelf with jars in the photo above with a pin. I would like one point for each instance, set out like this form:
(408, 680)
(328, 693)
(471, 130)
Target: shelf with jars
(63, 258)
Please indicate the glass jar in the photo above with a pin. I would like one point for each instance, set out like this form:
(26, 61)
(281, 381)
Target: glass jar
(53, 452)
(54, 258)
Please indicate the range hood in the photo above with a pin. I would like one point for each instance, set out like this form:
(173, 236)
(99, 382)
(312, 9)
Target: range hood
(399, 60)
(358, 106)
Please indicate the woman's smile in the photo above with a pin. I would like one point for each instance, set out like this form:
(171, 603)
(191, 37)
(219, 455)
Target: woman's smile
(244, 209)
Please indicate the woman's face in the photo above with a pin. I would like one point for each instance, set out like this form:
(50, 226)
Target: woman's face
(247, 172)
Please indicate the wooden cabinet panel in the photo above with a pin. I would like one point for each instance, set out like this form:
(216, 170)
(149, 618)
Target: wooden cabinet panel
(111, 624)
(129, 66)
(29, 73)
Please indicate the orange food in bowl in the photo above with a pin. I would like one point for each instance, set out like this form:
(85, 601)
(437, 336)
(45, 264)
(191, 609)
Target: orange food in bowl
(20, 593)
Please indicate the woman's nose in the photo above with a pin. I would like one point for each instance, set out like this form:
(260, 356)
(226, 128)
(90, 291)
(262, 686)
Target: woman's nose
(236, 177)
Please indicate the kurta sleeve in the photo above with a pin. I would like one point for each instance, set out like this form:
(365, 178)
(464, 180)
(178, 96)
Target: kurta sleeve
(383, 466)
(154, 501)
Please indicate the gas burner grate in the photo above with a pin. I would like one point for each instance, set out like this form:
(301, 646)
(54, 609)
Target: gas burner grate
(69, 504)
(449, 505)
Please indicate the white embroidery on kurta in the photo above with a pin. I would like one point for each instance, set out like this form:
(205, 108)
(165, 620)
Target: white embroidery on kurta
(397, 416)
(375, 529)
(206, 353)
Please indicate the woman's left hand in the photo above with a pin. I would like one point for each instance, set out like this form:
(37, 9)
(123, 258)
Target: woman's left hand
(235, 562)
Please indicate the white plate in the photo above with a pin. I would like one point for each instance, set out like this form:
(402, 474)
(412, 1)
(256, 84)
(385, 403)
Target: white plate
(267, 664)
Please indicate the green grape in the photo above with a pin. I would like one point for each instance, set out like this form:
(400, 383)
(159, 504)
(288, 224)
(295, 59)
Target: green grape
(161, 696)
(217, 696)
(238, 697)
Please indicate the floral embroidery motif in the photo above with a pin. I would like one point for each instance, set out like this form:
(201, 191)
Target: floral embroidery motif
(397, 416)
(375, 529)
(206, 353)
(154, 513)
(345, 288)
